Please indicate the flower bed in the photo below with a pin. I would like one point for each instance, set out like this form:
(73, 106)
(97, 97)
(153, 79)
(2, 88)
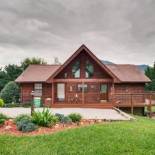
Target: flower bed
(9, 127)
(43, 122)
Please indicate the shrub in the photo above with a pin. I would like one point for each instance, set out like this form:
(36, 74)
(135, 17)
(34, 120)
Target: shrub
(1, 102)
(44, 118)
(75, 117)
(2, 121)
(10, 93)
(63, 119)
(59, 116)
(67, 120)
(26, 125)
(3, 118)
(23, 117)
(12, 105)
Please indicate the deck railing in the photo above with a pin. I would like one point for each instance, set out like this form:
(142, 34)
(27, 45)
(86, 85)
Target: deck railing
(134, 100)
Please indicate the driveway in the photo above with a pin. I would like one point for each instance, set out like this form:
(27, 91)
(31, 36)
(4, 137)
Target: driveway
(87, 113)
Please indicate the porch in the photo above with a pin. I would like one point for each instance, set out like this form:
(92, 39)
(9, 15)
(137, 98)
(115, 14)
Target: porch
(82, 93)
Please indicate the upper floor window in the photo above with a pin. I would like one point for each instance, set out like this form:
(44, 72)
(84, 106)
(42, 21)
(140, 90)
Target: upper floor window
(76, 70)
(89, 69)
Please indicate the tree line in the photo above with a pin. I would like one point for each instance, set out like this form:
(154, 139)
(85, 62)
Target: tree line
(150, 72)
(9, 90)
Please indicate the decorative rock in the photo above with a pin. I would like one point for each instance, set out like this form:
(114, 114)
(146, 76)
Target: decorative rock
(8, 127)
(99, 121)
(57, 126)
(81, 123)
(9, 122)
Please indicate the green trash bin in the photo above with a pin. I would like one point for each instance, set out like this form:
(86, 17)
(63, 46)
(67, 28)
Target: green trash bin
(37, 102)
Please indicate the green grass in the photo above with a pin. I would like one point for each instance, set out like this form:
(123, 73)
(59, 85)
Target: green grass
(117, 138)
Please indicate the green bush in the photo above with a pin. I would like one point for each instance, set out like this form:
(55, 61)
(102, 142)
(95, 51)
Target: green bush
(59, 116)
(2, 121)
(12, 105)
(3, 118)
(1, 102)
(75, 117)
(23, 117)
(63, 119)
(10, 93)
(26, 125)
(44, 118)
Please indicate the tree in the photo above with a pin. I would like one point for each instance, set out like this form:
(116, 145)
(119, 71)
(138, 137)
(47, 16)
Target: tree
(10, 93)
(9, 73)
(26, 62)
(3, 79)
(56, 61)
(150, 72)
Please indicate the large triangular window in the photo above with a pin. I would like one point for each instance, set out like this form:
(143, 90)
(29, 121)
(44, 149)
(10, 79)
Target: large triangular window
(76, 69)
(89, 69)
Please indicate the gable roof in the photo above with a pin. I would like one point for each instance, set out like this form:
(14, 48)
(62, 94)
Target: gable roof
(120, 73)
(76, 53)
(128, 73)
(37, 73)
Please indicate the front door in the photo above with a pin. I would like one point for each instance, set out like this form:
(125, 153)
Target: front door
(103, 93)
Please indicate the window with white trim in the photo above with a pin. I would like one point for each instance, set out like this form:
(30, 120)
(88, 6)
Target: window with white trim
(38, 89)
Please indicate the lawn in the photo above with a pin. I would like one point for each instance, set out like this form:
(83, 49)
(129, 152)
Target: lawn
(117, 138)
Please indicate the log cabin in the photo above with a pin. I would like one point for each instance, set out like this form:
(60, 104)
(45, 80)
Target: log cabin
(84, 81)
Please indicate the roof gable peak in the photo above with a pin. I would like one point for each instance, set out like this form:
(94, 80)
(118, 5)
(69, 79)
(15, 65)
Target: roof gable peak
(83, 48)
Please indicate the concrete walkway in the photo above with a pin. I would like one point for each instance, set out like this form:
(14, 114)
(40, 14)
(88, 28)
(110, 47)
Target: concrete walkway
(87, 113)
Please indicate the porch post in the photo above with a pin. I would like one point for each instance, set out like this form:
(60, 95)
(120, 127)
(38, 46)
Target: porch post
(83, 98)
(52, 92)
(113, 97)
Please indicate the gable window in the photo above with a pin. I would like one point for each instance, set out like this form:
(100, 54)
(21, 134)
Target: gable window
(76, 70)
(38, 89)
(65, 75)
(89, 69)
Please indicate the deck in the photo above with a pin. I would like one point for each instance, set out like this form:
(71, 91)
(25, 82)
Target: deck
(92, 105)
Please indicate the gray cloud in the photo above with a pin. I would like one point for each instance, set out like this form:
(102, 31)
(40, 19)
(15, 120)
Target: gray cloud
(122, 31)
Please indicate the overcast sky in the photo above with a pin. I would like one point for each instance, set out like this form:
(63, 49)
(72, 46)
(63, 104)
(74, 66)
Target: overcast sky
(122, 31)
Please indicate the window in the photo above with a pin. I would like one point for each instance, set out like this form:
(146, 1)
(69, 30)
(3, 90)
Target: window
(82, 87)
(38, 89)
(89, 70)
(61, 91)
(76, 70)
(65, 75)
(103, 88)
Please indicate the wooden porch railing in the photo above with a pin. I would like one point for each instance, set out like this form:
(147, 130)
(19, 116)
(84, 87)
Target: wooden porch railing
(134, 100)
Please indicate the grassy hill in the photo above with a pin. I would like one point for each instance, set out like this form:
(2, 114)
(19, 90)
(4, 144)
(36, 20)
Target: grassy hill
(117, 138)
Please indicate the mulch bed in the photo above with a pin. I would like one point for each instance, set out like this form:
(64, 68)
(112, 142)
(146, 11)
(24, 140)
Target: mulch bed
(10, 128)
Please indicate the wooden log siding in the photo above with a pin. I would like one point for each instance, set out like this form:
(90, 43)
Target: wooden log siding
(27, 88)
(82, 80)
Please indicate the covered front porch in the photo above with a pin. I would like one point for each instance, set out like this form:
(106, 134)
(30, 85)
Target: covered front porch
(84, 93)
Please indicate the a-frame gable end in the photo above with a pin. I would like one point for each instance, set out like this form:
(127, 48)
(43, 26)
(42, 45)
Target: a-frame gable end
(70, 59)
